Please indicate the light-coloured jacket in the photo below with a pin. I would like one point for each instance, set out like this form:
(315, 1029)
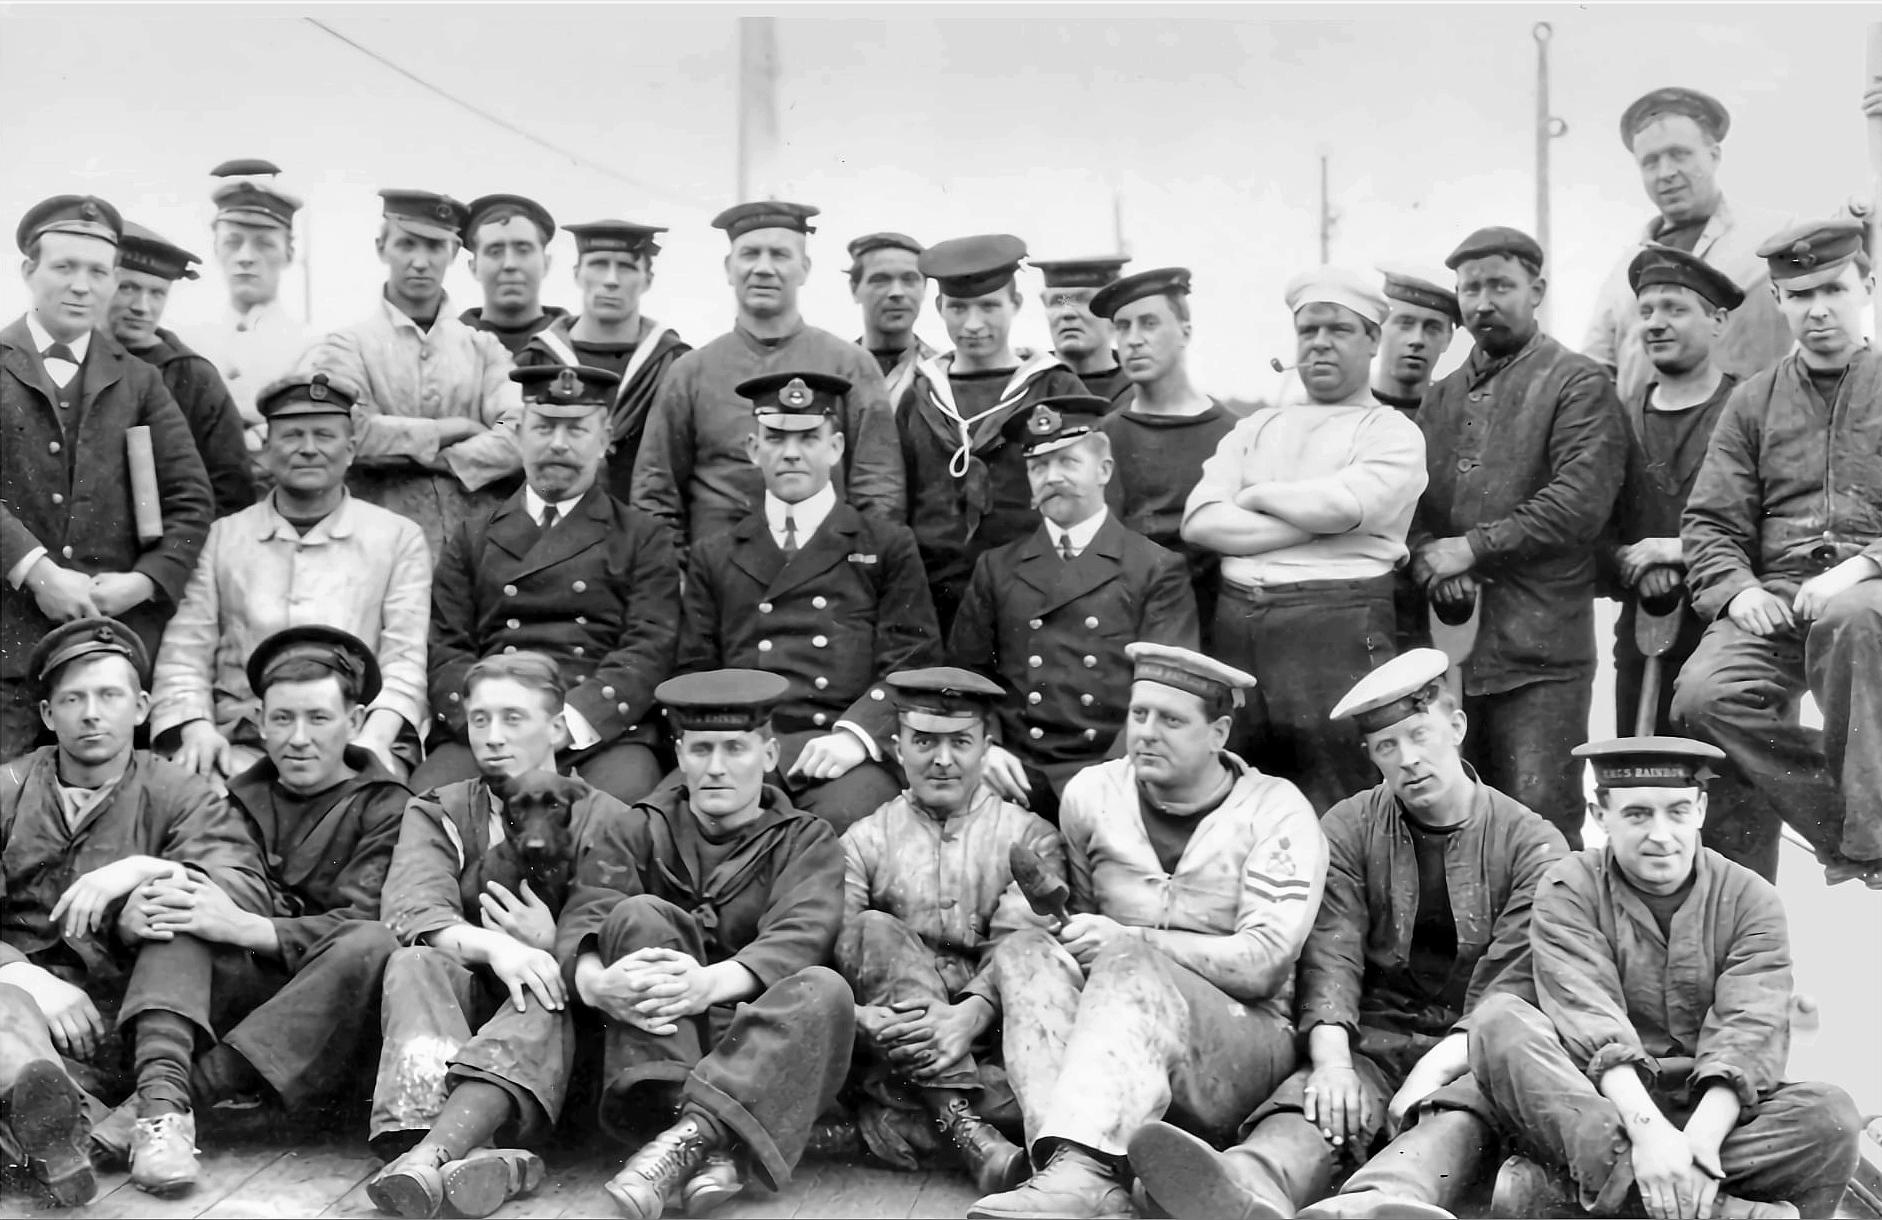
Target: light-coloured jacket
(1754, 337)
(408, 380)
(250, 350)
(1254, 869)
(362, 569)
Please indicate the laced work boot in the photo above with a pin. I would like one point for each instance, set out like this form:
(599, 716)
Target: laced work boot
(413, 1185)
(163, 1153)
(995, 1162)
(717, 1183)
(663, 1163)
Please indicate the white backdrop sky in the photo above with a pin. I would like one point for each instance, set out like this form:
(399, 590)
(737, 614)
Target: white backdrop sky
(1208, 121)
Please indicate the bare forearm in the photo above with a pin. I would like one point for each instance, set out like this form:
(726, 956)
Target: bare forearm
(1330, 1046)
(1713, 1118)
(729, 982)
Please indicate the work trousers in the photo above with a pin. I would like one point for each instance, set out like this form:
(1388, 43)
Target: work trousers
(431, 1005)
(1306, 643)
(1093, 1058)
(1519, 743)
(625, 770)
(1741, 691)
(1799, 1145)
(764, 1069)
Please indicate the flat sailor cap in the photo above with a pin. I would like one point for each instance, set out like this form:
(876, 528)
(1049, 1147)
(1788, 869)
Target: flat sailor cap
(1412, 288)
(483, 205)
(743, 218)
(870, 242)
(617, 236)
(1164, 281)
(340, 651)
(725, 700)
(1093, 272)
(1186, 670)
(140, 249)
(1338, 286)
(1650, 762)
(1656, 264)
(972, 266)
(1400, 688)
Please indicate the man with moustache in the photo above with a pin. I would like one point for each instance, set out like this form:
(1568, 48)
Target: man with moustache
(308, 554)
(508, 239)
(1649, 1069)
(148, 268)
(696, 928)
(478, 1042)
(1783, 543)
(1165, 429)
(967, 489)
(1676, 138)
(436, 411)
(1051, 614)
(1523, 444)
(613, 269)
(1308, 504)
(886, 280)
(256, 341)
(1081, 336)
(1685, 303)
(928, 894)
(1169, 989)
(693, 471)
(1430, 877)
(810, 589)
(563, 569)
(69, 393)
(1416, 334)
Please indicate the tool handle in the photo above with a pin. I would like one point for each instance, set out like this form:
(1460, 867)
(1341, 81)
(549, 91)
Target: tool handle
(146, 506)
(1646, 712)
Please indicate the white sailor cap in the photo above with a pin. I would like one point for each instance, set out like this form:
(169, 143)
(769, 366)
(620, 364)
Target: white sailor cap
(1339, 286)
(1402, 687)
(1205, 677)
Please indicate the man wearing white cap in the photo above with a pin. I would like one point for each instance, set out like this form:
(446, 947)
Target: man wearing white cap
(1309, 504)
(1430, 875)
(256, 340)
(1169, 989)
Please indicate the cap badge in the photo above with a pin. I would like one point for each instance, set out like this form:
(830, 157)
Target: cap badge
(1044, 421)
(89, 211)
(795, 393)
(317, 388)
(442, 211)
(567, 384)
(104, 635)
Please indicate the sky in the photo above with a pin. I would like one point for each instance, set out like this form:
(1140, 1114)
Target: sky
(1201, 126)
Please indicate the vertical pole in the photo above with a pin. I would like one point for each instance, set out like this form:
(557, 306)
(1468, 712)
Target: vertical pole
(1873, 81)
(1117, 223)
(1326, 216)
(757, 107)
(1544, 133)
(307, 268)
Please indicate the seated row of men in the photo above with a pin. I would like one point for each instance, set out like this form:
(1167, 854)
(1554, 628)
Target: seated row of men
(1191, 959)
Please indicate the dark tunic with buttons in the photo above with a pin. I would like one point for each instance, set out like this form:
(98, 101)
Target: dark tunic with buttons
(212, 417)
(1053, 632)
(599, 594)
(850, 608)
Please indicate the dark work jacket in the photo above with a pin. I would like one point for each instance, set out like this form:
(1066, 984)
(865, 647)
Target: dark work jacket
(331, 868)
(213, 419)
(1524, 457)
(437, 868)
(599, 594)
(1782, 478)
(1054, 634)
(851, 608)
(70, 491)
(774, 905)
(1355, 970)
(1655, 487)
(157, 809)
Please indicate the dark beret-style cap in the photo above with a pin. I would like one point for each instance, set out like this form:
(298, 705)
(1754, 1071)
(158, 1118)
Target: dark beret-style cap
(142, 250)
(341, 652)
(566, 391)
(1164, 281)
(245, 167)
(1667, 265)
(1650, 762)
(1701, 108)
(743, 218)
(972, 266)
(85, 215)
(869, 242)
(86, 637)
(1093, 272)
(1055, 422)
(426, 213)
(1497, 239)
(795, 402)
(478, 208)
(615, 237)
(723, 700)
(304, 394)
(1813, 252)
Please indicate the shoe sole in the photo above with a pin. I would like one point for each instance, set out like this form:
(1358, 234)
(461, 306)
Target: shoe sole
(164, 1188)
(1384, 1209)
(479, 1184)
(402, 1195)
(629, 1206)
(1185, 1177)
(48, 1122)
(708, 1199)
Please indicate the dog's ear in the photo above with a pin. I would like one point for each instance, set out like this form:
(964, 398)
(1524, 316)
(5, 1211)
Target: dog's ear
(569, 790)
(503, 787)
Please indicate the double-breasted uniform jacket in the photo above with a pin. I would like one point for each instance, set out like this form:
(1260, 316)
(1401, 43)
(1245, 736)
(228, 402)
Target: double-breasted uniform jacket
(1054, 632)
(212, 417)
(599, 593)
(850, 608)
(66, 485)
(331, 866)
(156, 809)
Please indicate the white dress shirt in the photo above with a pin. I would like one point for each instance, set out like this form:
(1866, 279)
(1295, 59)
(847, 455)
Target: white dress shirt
(1080, 534)
(806, 515)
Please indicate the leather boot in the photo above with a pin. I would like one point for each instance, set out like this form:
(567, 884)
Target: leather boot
(412, 1185)
(163, 1153)
(663, 1163)
(51, 1132)
(488, 1178)
(1193, 1181)
(1418, 1176)
(1074, 1183)
(835, 1139)
(717, 1183)
(111, 1139)
(993, 1161)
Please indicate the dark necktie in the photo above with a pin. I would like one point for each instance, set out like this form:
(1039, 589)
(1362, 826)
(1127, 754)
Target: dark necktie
(60, 351)
(1066, 548)
(549, 516)
(790, 536)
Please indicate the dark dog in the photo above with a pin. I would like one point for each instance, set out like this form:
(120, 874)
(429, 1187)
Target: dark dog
(538, 845)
